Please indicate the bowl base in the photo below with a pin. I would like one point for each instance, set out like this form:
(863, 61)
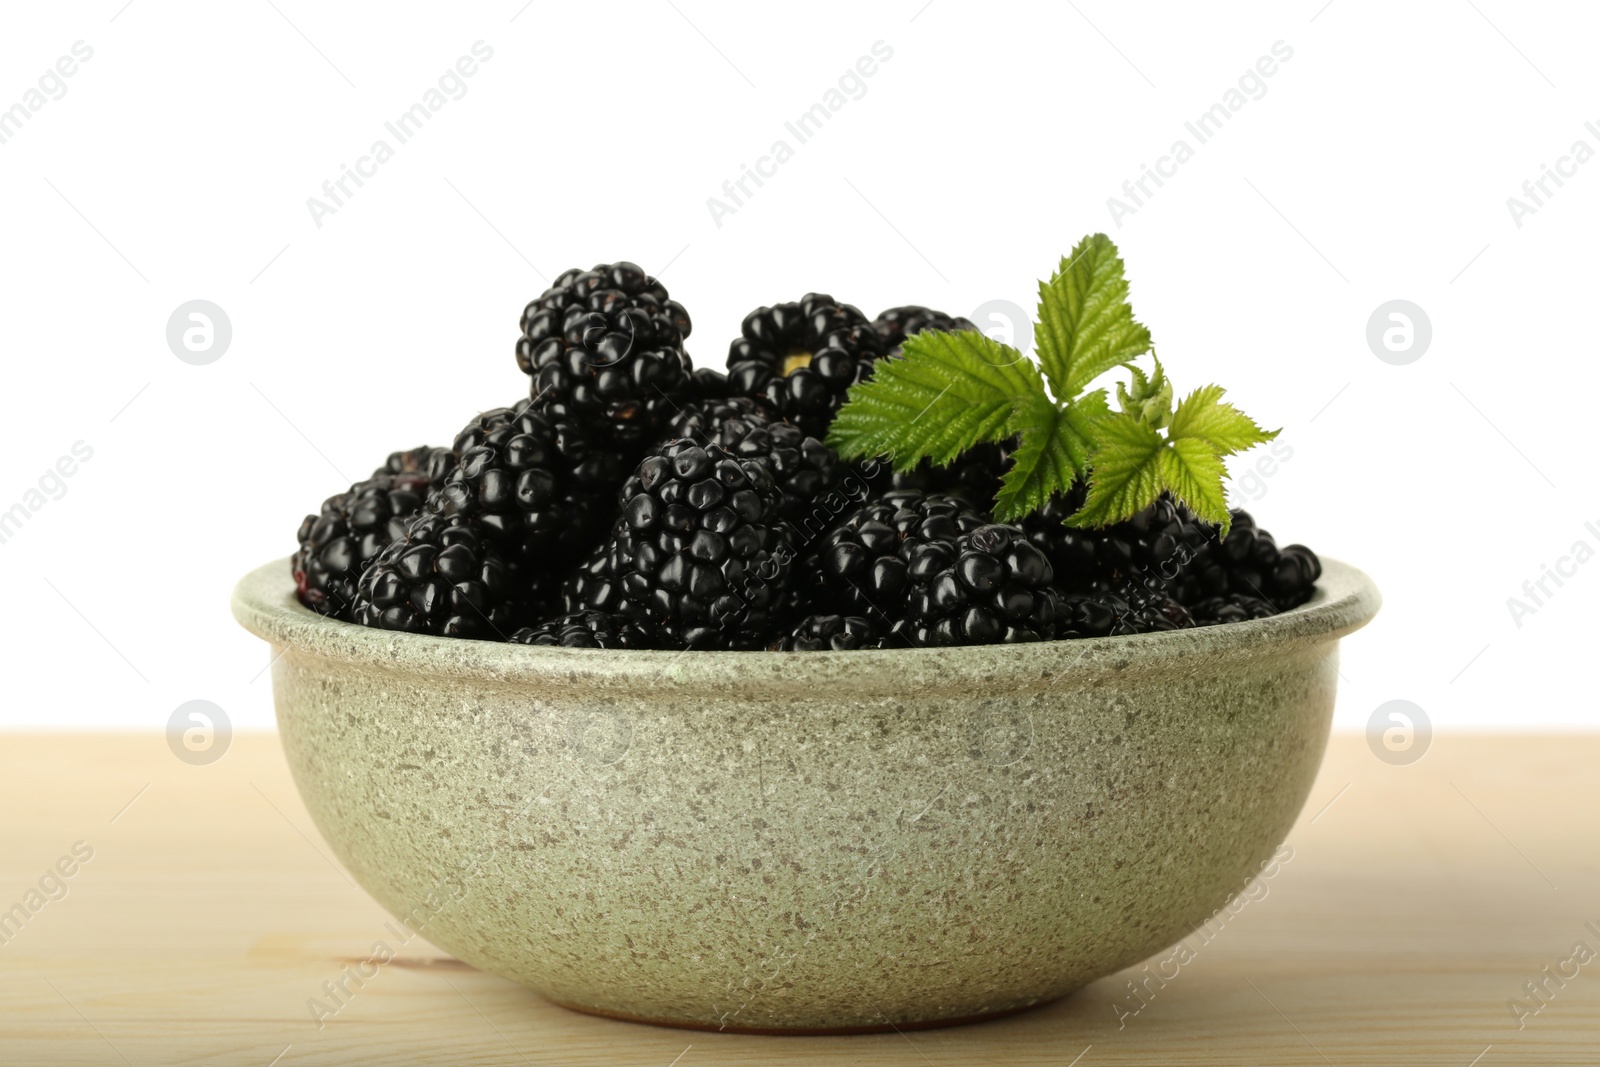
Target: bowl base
(805, 1031)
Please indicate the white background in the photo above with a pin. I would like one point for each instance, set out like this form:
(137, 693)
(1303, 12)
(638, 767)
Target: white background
(1376, 166)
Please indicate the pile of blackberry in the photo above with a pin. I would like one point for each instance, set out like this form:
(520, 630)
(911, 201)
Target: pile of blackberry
(632, 501)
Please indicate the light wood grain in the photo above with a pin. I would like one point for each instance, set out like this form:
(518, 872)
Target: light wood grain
(1418, 902)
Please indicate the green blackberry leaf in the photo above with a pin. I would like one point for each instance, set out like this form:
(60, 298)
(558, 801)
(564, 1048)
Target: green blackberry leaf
(1125, 475)
(1054, 450)
(1132, 462)
(1086, 326)
(1203, 416)
(1193, 472)
(944, 393)
(948, 392)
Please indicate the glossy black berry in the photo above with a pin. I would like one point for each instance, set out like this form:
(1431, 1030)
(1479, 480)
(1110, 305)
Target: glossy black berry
(804, 468)
(708, 383)
(1254, 566)
(1235, 607)
(610, 297)
(830, 633)
(1164, 542)
(998, 589)
(533, 482)
(353, 527)
(801, 358)
(974, 475)
(870, 563)
(438, 578)
(591, 629)
(698, 550)
(896, 324)
(605, 347)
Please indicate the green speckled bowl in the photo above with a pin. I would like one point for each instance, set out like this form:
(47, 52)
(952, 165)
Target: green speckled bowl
(826, 841)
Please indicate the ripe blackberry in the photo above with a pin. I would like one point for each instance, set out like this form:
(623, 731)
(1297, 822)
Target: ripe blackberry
(1167, 545)
(709, 384)
(418, 469)
(1164, 541)
(337, 544)
(590, 629)
(1254, 566)
(998, 590)
(896, 324)
(830, 633)
(803, 466)
(595, 584)
(802, 357)
(975, 475)
(612, 296)
(533, 482)
(438, 577)
(605, 347)
(706, 420)
(1135, 606)
(869, 564)
(1235, 607)
(698, 548)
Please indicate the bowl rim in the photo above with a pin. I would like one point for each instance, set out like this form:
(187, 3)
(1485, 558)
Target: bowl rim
(264, 603)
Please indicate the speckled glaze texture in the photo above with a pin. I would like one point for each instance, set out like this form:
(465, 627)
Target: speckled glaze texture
(805, 841)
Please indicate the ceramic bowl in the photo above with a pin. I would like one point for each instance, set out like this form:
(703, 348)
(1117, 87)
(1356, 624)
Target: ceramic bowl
(804, 842)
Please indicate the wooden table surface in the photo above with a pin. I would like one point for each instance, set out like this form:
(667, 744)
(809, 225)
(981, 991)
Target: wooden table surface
(1419, 901)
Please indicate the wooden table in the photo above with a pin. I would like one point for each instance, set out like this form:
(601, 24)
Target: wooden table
(1418, 902)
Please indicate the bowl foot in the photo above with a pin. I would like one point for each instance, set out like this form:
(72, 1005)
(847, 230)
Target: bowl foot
(804, 1031)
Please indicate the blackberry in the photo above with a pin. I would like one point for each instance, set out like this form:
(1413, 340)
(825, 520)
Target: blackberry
(709, 384)
(698, 549)
(418, 469)
(974, 475)
(611, 296)
(1254, 566)
(896, 324)
(1135, 606)
(337, 544)
(590, 629)
(705, 421)
(830, 633)
(605, 347)
(1164, 541)
(997, 591)
(802, 357)
(803, 466)
(871, 561)
(438, 577)
(1294, 577)
(595, 585)
(533, 482)
(1235, 607)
